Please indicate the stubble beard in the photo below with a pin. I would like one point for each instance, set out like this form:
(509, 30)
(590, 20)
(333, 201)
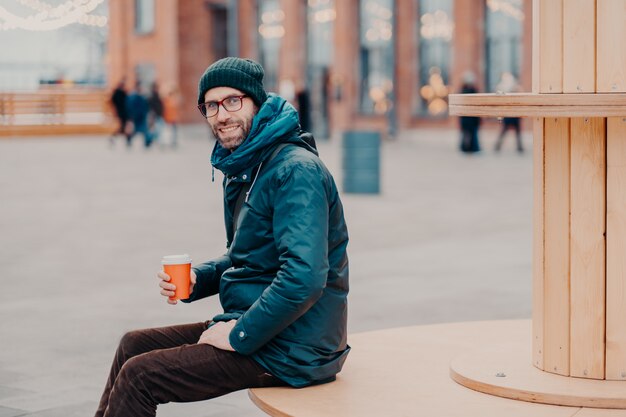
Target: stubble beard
(232, 142)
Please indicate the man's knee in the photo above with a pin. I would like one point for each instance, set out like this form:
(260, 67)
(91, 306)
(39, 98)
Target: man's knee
(133, 342)
(134, 368)
(133, 375)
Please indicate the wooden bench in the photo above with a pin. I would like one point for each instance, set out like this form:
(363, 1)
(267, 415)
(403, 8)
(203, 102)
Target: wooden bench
(575, 355)
(407, 372)
(56, 112)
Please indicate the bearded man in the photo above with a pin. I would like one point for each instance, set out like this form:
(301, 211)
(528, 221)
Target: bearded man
(283, 281)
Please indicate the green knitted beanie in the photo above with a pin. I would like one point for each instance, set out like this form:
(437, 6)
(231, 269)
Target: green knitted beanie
(243, 74)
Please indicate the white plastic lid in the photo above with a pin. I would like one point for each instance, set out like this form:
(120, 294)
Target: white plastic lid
(176, 259)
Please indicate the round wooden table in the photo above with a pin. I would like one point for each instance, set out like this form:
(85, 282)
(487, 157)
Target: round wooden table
(406, 372)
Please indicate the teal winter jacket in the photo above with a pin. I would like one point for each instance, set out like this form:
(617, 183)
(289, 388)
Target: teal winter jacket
(285, 275)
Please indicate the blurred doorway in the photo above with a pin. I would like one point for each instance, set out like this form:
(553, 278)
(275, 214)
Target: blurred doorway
(313, 99)
(219, 30)
(376, 57)
(145, 74)
(271, 19)
(504, 32)
(436, 29)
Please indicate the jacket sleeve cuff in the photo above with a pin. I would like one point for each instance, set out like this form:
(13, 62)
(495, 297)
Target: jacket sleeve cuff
(208, 277)
(240, 340)
(201, 288)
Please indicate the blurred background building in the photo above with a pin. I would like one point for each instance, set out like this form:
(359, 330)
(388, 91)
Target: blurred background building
(386, 65)
(375, 64)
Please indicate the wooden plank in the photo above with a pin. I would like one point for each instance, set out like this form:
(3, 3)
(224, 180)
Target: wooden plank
(579, 46)
(49, 130)
(615, 250)
(611, 53)
(538, 105)
(550, 37)
(587, 247)
(538, 111)
(529, 99)
(538, 243)
(556, 262)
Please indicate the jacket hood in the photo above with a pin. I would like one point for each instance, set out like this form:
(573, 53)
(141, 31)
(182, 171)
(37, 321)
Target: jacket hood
(275, 123)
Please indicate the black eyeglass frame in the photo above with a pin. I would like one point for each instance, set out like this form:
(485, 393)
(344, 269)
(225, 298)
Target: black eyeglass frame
(202, 106)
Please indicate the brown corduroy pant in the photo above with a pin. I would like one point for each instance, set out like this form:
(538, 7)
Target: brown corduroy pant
(161, 365)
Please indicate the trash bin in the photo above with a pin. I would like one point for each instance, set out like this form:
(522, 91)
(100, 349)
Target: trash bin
(361, 162)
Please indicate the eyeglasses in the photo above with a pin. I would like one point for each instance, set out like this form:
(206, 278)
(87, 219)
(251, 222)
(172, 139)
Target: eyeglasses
(230, 104)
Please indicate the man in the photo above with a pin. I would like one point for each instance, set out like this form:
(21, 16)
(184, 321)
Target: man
(155, 116)
(118, 100)
(170, 113)
(508, 84)
(469, 124)
(283, 282)
(138, 108)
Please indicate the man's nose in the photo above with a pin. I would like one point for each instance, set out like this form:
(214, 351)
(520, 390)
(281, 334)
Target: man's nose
(222, 114)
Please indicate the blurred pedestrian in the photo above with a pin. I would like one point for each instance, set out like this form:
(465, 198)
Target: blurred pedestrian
(304, 109)
(508, 84)
(155, 117)
(469, 125)
(137, 108)
(170, 114)
(118, 100)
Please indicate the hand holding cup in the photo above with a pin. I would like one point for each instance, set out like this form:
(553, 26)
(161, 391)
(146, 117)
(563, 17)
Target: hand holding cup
(176, 279)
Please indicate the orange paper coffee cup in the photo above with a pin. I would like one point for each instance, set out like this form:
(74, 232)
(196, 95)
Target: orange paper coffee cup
(178, 267)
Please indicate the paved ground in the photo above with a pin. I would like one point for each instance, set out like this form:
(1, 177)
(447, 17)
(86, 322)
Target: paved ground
(83, 227)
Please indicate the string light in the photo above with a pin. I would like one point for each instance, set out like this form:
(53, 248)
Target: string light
(437, 25)
(512, 8)
(48, 17)
(272, 26)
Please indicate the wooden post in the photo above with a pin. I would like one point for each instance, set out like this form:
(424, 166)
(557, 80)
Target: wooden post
(615, 249)
(556, 328)
(578, 104)
(573, 222)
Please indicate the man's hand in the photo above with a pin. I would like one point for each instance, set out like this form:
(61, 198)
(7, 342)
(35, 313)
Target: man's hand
(217, 335)
(167, 289)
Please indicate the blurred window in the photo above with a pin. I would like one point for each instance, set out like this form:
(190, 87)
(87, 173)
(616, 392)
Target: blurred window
(504, 24)
(435, 31)
(376, 57)
(145, 73)
(144, 16)
(219, 30)
(271, 31)
(313, 102)
(321, 17)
